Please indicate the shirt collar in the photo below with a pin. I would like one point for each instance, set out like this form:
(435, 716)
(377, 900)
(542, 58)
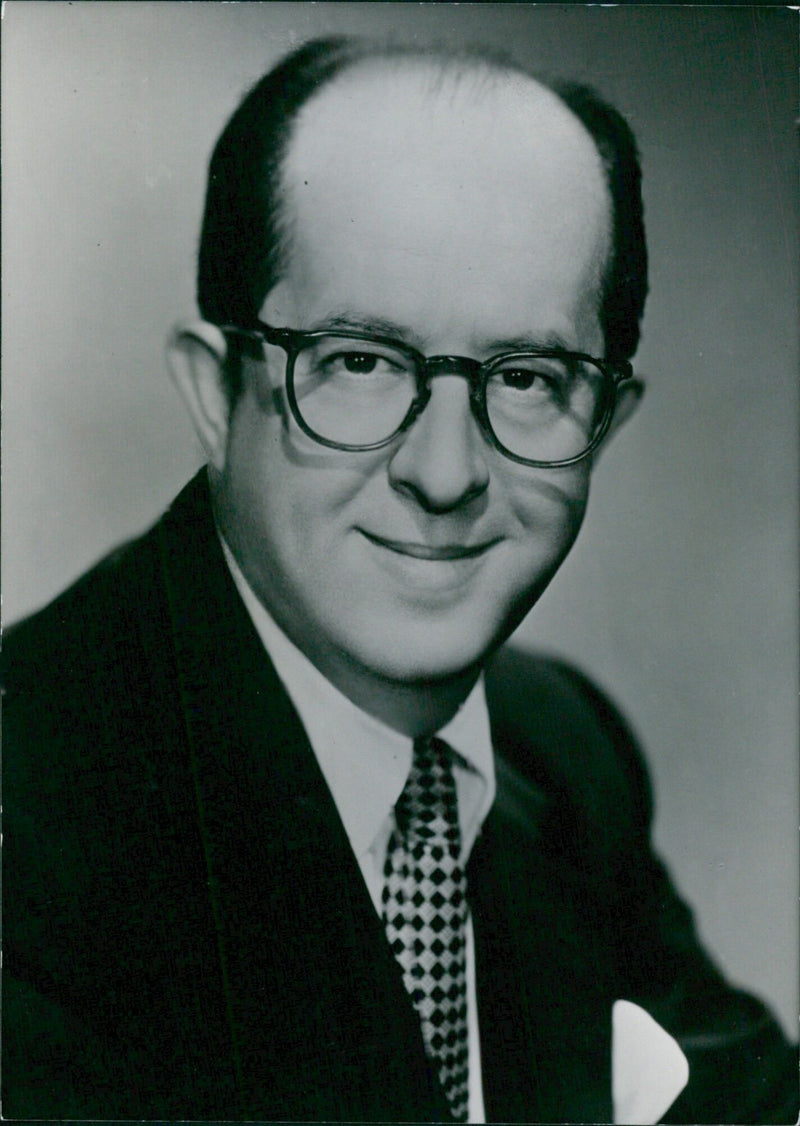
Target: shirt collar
(366, 763)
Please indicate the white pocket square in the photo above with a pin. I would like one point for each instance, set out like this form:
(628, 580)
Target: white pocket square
(648, 1069)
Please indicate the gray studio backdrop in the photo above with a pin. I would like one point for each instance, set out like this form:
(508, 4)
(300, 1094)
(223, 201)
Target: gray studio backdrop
(680, 597)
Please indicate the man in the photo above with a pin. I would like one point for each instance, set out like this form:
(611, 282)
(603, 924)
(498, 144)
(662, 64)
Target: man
(289, 837)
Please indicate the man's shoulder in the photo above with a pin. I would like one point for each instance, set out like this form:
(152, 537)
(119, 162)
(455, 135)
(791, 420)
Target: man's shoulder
(70, 652)
(92, 602)
(97, 616)
(93, 675)
(556, 729)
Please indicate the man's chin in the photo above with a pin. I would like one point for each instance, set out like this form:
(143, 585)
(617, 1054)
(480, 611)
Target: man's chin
(437, 657)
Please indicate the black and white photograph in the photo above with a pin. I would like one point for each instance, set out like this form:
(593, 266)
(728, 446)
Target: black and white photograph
(399, 562)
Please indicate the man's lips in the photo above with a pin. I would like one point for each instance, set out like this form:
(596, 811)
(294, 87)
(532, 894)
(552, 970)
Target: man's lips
(438, 552)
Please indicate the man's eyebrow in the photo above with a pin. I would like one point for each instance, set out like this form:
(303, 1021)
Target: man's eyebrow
(360, 322)
(351, 321)
(530, 342)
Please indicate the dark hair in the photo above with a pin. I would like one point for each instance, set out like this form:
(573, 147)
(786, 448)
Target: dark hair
(242, 242)
(625, 282)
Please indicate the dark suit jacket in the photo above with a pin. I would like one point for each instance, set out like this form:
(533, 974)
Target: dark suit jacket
(187, 933)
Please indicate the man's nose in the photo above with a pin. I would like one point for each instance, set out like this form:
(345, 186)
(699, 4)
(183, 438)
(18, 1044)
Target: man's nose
(441, 462)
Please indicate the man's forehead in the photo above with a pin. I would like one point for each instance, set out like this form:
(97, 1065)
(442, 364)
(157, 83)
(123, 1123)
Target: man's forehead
(426, 155)
(441, 119)
(436, 188)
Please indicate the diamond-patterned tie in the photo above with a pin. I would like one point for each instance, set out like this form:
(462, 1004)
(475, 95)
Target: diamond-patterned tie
(425, 913)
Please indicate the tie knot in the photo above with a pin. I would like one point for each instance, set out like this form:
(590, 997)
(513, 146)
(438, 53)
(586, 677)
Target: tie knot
(427, 809)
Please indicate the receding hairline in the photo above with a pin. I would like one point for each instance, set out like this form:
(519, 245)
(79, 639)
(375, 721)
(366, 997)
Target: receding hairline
(440, 64)
(474, 75)
(470, 71)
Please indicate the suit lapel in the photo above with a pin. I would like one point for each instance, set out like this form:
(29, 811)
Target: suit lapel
(544, 1000)
(320, 1024)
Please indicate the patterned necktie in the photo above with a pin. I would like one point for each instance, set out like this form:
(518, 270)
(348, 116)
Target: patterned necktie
(425, 913)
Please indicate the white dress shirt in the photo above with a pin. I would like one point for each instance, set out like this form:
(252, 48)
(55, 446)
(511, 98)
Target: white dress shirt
(366, 764)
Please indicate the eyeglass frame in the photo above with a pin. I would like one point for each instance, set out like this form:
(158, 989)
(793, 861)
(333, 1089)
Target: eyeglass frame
(476, 372)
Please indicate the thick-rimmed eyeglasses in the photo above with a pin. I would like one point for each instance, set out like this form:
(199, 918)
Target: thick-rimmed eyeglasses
(357, 391)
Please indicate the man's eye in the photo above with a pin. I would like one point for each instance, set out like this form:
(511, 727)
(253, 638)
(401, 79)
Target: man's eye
(528, 379)
(353, 362)
(519, 378)
(359, 363)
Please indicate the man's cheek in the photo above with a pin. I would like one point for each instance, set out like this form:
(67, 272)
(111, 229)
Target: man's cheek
(549, 516)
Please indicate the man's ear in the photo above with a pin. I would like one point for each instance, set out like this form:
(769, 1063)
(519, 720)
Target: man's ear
(196, 354)
(629, 395)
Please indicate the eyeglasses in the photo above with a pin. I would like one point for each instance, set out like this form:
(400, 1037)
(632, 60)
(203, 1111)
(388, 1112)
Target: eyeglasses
(357, 391)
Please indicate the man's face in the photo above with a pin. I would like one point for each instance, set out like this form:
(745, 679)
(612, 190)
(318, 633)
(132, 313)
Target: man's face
(459, 221)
